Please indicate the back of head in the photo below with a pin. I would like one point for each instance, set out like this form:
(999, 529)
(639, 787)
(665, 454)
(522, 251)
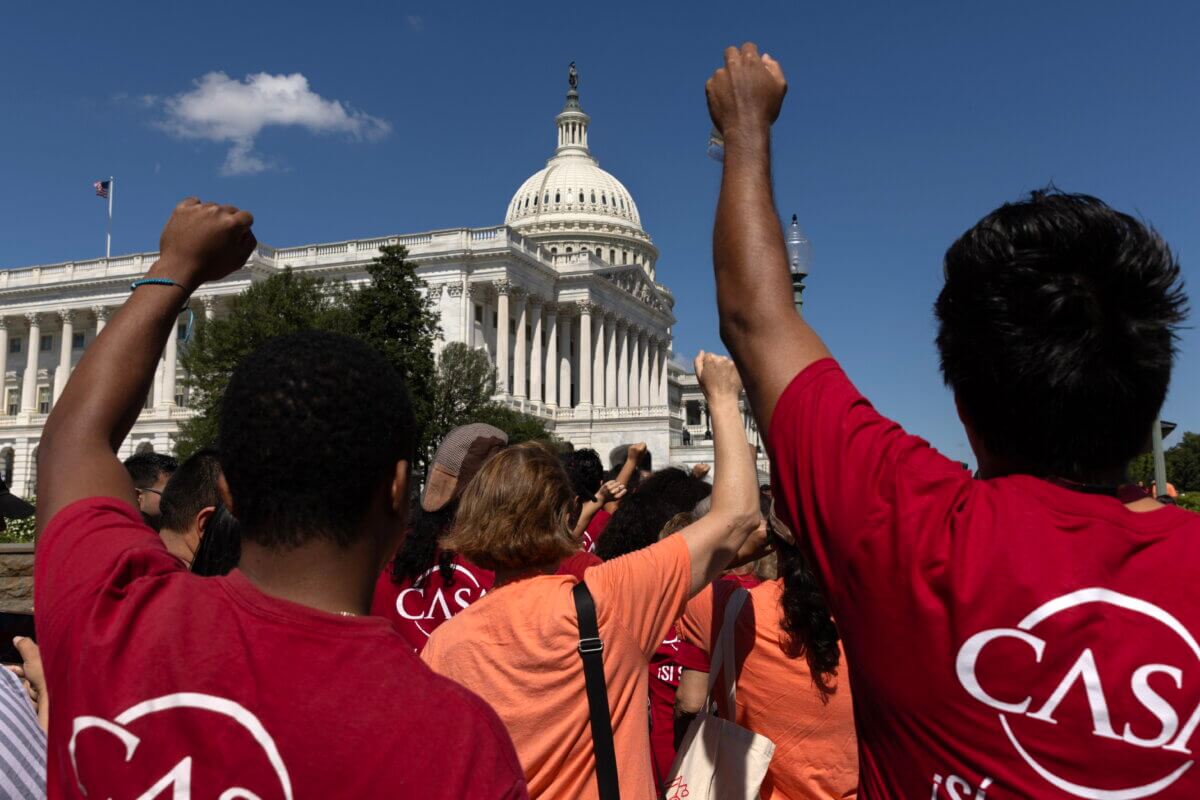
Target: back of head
(1057, 332)
(678, 487)
(221, 547)
(312, 426)
(515, 512)
(585, 472)
(642, 516)
(192, 487)
(144, 468)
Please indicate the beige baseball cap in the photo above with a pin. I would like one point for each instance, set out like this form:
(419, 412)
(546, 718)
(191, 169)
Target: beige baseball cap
(458, 458)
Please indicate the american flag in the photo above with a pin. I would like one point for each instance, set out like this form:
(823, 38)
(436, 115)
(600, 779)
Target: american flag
(101, 188)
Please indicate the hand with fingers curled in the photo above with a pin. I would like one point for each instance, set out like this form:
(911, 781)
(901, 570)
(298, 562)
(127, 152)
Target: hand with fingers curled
(204, 242)
(746, 94)
(718, 377)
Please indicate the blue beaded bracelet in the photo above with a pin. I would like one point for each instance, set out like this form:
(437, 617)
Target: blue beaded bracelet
(168, 282)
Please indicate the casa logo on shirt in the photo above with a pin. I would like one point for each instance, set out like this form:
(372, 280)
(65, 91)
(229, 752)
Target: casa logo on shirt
(140, 752)
(430, 602)
(1127, 698)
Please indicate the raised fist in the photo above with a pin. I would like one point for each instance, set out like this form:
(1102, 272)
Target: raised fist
(718, 376)
(636, 451)
(610, 491)
(747, 93)
(204, 242)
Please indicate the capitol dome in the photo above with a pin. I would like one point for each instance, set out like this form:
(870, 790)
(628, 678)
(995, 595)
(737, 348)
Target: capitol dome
(572, 205)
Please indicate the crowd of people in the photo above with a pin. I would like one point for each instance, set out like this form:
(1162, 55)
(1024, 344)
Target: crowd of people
(872, 621)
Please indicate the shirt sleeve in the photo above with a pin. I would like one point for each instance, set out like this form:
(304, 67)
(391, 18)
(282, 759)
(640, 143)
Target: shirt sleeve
(861, 494)
(93, 546)
(644, 591)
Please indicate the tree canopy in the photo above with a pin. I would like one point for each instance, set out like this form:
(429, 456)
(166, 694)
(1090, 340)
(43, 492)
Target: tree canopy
(1183, 465)
(391, 312)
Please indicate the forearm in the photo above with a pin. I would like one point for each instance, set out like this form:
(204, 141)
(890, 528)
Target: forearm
(716, 538)
(760, 326)
(103, 398)
(586, 515)
(627, 470)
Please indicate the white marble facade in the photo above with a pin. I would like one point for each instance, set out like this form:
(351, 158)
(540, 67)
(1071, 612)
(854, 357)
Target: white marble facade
(562, 297)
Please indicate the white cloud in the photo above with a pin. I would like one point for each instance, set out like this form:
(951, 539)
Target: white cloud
(221, 109)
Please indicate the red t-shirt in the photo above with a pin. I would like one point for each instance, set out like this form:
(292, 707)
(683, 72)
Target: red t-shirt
(666, 668)
(416, 611)
(1006, 637)
(168, 684)
(595, 530)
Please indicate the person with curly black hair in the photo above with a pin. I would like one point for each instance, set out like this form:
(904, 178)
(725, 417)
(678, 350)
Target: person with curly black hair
(1018, 634)
(272, 680)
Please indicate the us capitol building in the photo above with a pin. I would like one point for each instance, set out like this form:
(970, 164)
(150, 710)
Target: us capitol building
(563, 297)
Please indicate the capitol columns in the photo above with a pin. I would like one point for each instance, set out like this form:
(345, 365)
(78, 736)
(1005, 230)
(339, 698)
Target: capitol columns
(166, 396)
(644, 373)
(101, 314)
(67, 317)
(533, 307)
(623, 364)
(564, 355)
(585, 352)
(550, 312)
(598, 363)
(635, 367)
(3, 355)
(29, 379)
(522, 345)
(610, 360)
(664, 373)
(502, 288)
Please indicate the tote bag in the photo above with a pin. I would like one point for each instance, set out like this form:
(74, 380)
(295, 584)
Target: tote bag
(718, 759)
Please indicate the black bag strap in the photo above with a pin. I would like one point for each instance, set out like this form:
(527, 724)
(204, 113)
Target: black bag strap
(591, 650)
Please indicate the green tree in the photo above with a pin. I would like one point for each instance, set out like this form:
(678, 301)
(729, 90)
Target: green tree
(284, 303)
(1182, 462)
(397, 318)
(466, 381)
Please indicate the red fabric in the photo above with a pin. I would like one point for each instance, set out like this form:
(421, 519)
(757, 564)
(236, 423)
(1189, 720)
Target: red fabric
(168, 680)
(418, 611)
(595, 530)
(664, 680)
(1009, 636)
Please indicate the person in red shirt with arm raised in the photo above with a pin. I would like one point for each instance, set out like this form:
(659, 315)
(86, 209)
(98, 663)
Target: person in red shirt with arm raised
(1033, 632)
(271, 682)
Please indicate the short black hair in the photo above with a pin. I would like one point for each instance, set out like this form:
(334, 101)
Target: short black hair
(221, 547)
(585, 471)
(144, 468)
(1057, 331)
(680, 487)
(192, 487)
(312, 424)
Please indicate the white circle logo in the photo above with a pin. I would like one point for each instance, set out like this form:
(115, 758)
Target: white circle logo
(1174, 730)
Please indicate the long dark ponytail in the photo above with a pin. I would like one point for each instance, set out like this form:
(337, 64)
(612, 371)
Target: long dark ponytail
(806, 619)
(419, 551)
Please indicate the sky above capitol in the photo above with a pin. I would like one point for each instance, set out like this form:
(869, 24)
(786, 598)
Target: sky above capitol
(903, 125)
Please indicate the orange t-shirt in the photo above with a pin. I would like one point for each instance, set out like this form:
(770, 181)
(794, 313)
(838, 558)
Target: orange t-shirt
(516, 647)
(816, 751)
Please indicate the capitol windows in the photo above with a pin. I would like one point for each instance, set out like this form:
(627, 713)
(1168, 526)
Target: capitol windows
(693, 413)
(546, 200)
(43, 399)
(14, 344)
(624, 256)
(77, 341)
(12, 402)
(568, 251)
(479, 313)
(553, 251)
(581, 197)
(612, 256)
(557, 197)
(47, 343)
(603, 199)
(593, 198)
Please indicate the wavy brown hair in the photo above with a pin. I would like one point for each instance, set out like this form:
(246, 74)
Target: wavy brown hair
(516, 511)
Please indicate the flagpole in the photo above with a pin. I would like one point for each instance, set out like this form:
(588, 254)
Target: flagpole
(108, 230)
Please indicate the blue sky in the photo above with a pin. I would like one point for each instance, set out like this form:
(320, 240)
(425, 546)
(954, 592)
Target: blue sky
(904, 124)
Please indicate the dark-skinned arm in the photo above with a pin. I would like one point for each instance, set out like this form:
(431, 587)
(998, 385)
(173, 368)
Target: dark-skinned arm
(766, 337)
(102, 400)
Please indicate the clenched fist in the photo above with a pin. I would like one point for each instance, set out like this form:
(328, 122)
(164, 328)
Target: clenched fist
(746, 94)
(718, 377)
(204, 242)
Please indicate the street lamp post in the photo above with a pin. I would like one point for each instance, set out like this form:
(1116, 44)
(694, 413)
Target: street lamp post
(799, 258)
